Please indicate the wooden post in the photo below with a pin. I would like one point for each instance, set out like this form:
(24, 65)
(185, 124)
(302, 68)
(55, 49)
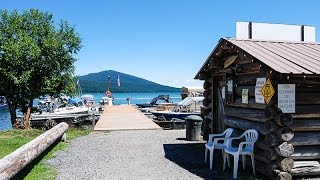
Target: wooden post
(17, 160)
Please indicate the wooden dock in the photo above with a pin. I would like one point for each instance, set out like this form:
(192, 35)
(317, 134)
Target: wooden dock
(123, 117)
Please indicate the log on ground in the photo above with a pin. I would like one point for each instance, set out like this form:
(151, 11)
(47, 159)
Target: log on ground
(17, 160)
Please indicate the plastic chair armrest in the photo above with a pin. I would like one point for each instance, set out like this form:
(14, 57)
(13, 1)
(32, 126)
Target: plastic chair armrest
(244, 143)
(229, 141)
(219, 139)
(211, 136)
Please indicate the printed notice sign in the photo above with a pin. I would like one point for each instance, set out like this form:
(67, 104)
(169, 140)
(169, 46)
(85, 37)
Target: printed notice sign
(257, 91)
(287, 98)
(245, 96)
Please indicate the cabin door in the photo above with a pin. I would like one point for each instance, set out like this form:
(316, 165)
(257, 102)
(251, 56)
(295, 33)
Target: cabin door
(218, 106)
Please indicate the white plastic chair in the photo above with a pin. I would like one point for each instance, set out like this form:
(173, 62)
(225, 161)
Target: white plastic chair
(214, 144)
(245, 148)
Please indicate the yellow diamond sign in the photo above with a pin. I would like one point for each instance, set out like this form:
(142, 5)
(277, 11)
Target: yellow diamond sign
(267, 91)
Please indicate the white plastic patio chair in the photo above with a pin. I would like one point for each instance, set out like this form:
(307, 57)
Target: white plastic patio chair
(245, 148)
(214, 144)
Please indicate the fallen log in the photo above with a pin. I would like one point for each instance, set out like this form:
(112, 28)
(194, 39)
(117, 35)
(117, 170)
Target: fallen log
(17, 160)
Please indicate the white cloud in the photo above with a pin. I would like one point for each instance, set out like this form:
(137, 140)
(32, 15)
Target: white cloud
(188, 83)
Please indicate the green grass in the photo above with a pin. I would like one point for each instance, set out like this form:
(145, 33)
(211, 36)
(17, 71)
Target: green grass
(13, 139)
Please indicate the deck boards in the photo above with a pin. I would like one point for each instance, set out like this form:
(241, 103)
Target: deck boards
(123, 117)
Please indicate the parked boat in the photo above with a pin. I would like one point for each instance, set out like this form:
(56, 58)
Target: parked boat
(88, 98)
(161, 99)
(3, 103)
(191, 92)
(188, 106)
(74, 111)
(159, 103)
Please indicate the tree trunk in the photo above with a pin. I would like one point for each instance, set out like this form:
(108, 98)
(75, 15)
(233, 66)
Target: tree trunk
(12, 109)
(27, 115)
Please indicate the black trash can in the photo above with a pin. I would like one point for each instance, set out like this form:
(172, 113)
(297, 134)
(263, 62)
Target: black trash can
(193, 127)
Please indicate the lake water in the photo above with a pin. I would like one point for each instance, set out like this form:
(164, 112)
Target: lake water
(119, 98)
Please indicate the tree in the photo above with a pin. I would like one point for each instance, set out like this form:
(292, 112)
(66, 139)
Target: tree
(36, 58)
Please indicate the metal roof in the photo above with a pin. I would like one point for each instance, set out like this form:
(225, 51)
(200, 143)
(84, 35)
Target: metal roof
(283, 56)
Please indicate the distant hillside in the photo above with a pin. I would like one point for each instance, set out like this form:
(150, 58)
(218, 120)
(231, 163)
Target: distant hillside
(98, 83)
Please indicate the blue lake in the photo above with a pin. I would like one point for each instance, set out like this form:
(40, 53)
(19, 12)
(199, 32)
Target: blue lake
(119, 98)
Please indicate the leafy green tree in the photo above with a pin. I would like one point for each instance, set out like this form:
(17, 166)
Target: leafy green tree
(36, 57)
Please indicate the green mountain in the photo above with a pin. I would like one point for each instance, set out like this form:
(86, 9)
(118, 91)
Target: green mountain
(98, 83)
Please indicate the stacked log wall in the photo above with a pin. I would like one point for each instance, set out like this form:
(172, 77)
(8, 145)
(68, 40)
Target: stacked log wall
(273, 149)
(288, 144)
(306, 126)
(207, 107)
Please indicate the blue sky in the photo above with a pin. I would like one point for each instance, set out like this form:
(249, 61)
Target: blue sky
(165, 41)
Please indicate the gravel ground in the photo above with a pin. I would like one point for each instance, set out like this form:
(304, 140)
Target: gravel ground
(145, 154)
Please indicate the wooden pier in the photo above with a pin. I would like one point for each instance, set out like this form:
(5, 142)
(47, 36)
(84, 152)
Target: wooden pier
(123, 117)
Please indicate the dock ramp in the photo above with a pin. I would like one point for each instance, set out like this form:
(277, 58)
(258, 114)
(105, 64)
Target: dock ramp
(124, 117)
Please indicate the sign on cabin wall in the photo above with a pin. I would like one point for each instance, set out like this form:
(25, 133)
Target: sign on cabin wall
(267, 91)
(258, 95)
(245, 96)
(229, 98)
(287, 98)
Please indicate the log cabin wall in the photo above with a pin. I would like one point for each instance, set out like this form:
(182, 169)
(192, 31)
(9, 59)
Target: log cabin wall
(289, 143)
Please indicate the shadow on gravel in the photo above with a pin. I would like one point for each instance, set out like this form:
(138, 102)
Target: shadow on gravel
(190, 156)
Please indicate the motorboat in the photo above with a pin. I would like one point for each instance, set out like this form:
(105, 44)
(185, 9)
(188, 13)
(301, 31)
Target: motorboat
(191, 92)
(106, 101)
(3, 103)
(74, 111)
(88, 98)
(188, 106)
(161, 99)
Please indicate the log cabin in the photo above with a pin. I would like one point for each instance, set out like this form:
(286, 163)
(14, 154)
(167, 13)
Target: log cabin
(270, 86)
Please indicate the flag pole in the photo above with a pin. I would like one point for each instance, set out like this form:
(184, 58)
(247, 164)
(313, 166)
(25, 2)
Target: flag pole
(108, 83)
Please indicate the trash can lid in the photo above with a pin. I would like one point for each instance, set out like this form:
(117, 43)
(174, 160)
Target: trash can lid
(193, 118)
